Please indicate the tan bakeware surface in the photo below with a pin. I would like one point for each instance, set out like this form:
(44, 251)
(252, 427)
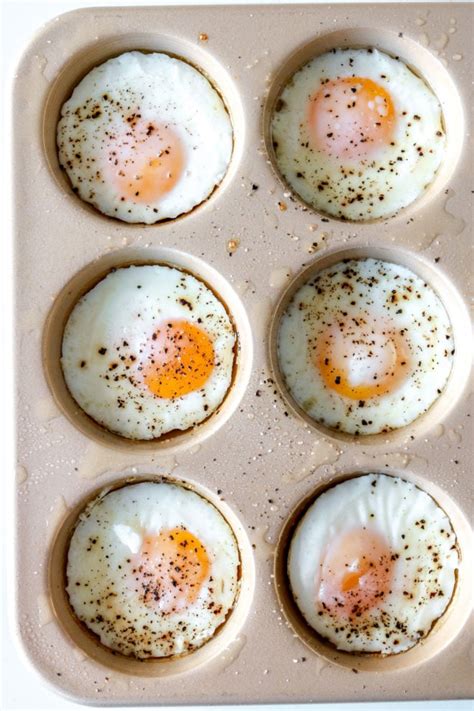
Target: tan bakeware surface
(258, 459)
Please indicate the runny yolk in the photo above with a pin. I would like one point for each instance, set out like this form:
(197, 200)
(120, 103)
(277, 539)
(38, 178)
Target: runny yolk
(351, 118)
(361, 361)
(171, 569)
(181, 359)
(146, 161)
(356, 573)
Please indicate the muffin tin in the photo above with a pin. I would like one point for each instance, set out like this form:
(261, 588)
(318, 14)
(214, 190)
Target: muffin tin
(259, 459)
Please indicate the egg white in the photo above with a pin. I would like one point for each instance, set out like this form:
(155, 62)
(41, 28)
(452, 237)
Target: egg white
(419, 313)
(399, 173)
(161, 89)
(415, 528)
(125, 307)
(107, 536)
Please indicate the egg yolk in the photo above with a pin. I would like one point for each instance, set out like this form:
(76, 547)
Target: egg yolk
(361, 361)
(181, 359)
(146, 160)
(356, 573)
(351, 118)
(171, 568)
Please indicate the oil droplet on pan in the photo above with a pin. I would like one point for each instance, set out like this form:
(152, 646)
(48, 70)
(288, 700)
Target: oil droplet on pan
(233, 245)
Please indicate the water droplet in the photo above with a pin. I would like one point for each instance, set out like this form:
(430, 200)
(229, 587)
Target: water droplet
(454, 436)
(397, 460)
(279, 277)
(99, 460)
(45, 409)
(45, 612)
(30, 319)
(21, 474)
(42, 62)
(79, 654)
(264, 549)
(241, 287)
(417, 463)
(321, 452)
(446, 223)
(424, 39)
(56, 514)
(457, 57)
(441, 41)
(438, 431)
(232, 652)
(261, 310)
(129, 240)
(322, 666)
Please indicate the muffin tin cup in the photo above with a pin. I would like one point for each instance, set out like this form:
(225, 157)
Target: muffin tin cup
(258, 459)
(420, 60)
(83, 282)
(96, 53)
(166, 666)
(444, 630)
(458, 316)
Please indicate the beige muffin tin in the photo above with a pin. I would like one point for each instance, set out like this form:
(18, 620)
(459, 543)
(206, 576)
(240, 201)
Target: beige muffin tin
(258, 459)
